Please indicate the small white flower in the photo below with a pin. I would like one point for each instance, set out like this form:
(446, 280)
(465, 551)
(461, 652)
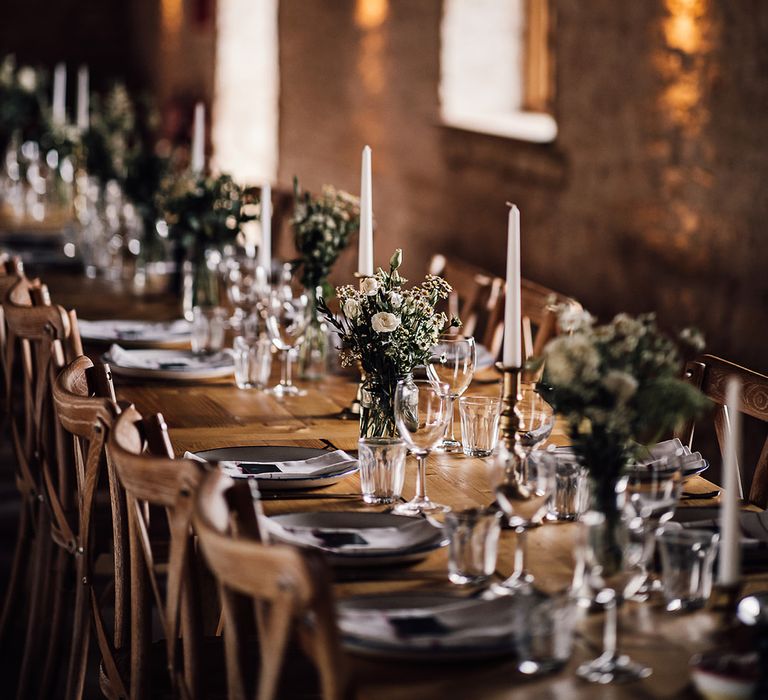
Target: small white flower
(384, 322)
(396, 300)
(351, 309)
(621, 384)
(369, 286)
(27, 78)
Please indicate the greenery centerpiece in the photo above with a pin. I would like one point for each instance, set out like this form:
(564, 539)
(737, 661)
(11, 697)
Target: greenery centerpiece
(205, 214)
(389, 330)
(322, 227)
(619, 386)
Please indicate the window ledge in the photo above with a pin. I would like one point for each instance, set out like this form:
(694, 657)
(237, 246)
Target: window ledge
(535, 127)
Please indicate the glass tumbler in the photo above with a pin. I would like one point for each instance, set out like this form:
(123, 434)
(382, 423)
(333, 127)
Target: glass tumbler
(479, 424)
(687, 559)
(209, 324)
(473, 544)
(544, 641)
(382, 469)
(253, 362)
(571, 494)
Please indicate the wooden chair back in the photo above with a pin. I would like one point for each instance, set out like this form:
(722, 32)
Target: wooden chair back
(84, 397)
(11, 271)
(273, 589)
(142, 456)
(710, 374)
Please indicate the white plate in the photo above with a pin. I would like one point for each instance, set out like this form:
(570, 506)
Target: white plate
(278, 453)
(204, 367)
(406, 646)
(146, 334)
(427, 538)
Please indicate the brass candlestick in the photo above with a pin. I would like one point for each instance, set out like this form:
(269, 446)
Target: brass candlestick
(722, 602)
(509, 422)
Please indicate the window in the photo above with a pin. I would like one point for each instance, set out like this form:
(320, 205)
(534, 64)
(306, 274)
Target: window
(496, 68)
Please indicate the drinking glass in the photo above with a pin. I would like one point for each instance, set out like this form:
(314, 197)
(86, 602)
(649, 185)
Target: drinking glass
(452, 363)
(544, 639)
(287, 320)
(653, 491)
(247, 285)
(611, 552)
(421, 416)
(479, 424)
(382, 468)
(537, 418)
(473, 544)
(687, 558)
(523, 488)
(571, 493)
(253, 361)
(208, 328)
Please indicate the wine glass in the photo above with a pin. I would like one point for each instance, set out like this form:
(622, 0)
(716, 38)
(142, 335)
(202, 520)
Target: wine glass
(611, 552)
(652, 493)
(523, 487)
(287, 320)
(421, 416)
(247, 286)
(452, 362)
(537, 419)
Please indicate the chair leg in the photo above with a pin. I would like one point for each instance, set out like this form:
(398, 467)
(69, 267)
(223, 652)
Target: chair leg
(57, 619)
(38, 597)
(12, 602)
(78, 655)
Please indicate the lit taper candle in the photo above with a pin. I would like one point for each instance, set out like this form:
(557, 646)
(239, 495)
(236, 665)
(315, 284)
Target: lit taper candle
(730, 531)
(198, 139)
(83, 80)
(59, 94)
(365, 249)
(513, 349)
(265, 248)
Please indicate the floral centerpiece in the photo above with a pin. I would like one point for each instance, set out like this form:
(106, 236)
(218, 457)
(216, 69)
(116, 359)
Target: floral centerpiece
(618, 386)
(22, 103)
(389, 330)
(322, 227)
(204, 214)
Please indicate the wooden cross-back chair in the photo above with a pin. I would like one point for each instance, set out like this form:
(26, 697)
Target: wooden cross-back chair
(141, 452)
(275, 589)
(41, 339)
(710, 374)
(84, 398)
(11, 271)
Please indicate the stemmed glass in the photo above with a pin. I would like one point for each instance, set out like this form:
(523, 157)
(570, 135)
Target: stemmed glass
(452, 362)
(247, 286)
(611, 553)
(523, 487)
(537, 419)
(287, 320)
(421, 416)
(652, 493)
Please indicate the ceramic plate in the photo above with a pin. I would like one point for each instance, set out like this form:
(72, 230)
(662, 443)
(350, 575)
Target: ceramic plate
(171, 334)
(172, 364)
(278, 453)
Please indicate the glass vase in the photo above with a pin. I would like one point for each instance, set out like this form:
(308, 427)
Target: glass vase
(377, 409)
(200, 282)
(314, 351)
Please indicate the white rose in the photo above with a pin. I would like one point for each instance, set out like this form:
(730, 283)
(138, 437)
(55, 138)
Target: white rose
(27, 79)
(384, 322)
(621, 384)
(396, 300)
(369, 286)
(351, 309)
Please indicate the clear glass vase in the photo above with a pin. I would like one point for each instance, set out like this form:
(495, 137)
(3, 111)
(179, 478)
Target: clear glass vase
(314, 351)
(377, 409)
(200, 282)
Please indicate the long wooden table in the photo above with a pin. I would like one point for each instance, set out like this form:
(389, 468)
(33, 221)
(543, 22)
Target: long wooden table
(217, 414)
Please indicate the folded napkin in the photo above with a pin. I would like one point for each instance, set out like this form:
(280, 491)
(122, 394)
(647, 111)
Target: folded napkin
(368, 540)
(166, 359)
(118, 329)
(328, 463)
(466, 622)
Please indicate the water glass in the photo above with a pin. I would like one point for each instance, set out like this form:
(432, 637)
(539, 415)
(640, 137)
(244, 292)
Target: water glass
(687, 559)
(544, 641)
(473, 544)
(382, 469)
(479, 424)
(209, 324)
(571, 494)
(253, 362)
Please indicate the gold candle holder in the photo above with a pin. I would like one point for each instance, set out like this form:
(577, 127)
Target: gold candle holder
(509, 422)
(722, 602)
(352, 412)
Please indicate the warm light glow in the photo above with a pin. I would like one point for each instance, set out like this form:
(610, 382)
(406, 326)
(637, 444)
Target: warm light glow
(683, 28)
(171, 14)
(370, 14)
(370, 64)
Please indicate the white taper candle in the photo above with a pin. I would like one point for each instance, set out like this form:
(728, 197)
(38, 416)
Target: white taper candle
(265, 248)
(198, 139)
(83, 101)
(730, 529)
(59, 94)
(365, 248)
(513, 349)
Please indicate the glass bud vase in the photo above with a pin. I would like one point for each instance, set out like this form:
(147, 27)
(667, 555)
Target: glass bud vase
(314, 351)
(200, 282)
(377, 408)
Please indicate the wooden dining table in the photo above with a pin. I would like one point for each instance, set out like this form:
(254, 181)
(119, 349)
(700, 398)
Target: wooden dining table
(217, 414)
